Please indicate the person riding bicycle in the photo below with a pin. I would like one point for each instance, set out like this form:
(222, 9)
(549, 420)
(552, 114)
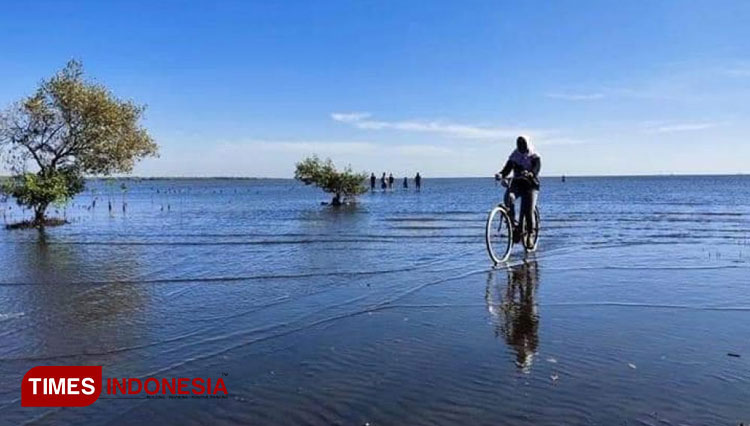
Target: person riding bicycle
(525, 164)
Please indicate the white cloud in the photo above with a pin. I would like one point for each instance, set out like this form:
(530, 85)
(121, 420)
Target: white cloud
(575, 96)
(558, 141)
(362, 120)
(301, 147)
(423, 150)
(258, 158)
(276, 158)
(350, 117)
(684, 127)
(464, 151)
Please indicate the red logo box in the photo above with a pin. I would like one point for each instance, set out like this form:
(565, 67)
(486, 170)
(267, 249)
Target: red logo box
(61, 386)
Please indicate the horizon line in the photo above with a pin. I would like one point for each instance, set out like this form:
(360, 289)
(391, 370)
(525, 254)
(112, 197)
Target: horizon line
(558, 176)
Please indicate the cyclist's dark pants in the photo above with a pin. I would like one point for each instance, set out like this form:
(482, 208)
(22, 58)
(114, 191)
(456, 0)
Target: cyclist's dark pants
(528, 202)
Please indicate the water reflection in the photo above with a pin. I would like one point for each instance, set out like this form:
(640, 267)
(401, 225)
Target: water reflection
(71, 299)
(339, 233)
(514, 311)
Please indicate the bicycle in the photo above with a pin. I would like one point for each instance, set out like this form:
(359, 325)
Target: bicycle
(499, 232)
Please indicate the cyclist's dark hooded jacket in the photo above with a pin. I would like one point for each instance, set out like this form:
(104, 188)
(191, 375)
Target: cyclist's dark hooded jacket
(518, 162)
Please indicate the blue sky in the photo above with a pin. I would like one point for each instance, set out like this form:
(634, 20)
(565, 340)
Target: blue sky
(247, 88)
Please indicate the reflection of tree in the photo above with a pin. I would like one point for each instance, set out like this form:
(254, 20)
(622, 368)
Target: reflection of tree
(326, 226)
(514, 310)
(73, 294)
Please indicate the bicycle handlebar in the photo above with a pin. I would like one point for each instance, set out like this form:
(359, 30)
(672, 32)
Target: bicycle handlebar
(507, 181)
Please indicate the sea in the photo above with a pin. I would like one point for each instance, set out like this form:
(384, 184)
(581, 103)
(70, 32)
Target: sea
(634, 310)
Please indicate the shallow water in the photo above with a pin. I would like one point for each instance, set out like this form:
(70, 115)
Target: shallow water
(389, 312)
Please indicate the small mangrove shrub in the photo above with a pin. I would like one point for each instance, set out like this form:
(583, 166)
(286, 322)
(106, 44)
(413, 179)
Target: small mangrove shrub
(345, 185)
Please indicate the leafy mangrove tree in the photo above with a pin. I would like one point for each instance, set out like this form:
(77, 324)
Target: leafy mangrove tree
(69, 128)
(344, 185)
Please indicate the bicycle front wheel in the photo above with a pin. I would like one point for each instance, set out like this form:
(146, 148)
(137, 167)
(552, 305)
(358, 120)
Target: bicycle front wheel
(499, 235)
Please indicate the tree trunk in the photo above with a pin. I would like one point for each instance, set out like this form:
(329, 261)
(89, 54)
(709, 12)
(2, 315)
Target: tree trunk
(336, 200)
(39, 211)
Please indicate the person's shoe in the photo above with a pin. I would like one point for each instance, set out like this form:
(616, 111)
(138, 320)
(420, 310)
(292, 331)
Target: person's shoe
(530, 240)
(516, 234)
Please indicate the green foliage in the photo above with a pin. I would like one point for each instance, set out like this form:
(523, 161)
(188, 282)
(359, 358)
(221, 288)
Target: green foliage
(34, 190)
(69, 127)
(324, 175)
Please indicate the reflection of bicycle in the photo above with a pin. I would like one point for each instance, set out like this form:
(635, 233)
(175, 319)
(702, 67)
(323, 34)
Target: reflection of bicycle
(499, 233)
(514, 311)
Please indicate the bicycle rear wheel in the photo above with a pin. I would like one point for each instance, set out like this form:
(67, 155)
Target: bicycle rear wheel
(498, 235)
(535, 233)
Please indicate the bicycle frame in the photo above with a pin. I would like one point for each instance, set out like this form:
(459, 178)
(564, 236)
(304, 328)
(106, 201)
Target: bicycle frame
(520, 229)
